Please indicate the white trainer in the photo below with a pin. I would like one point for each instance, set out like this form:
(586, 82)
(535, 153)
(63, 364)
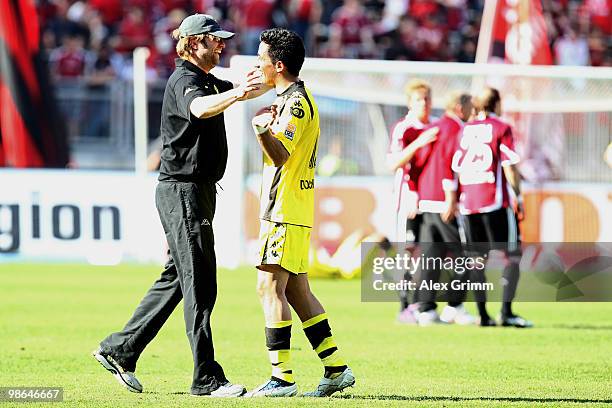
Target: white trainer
(428, 318)
(227, 390)
(125, 378)
(328, 386)
(273, 388)
(457, 315)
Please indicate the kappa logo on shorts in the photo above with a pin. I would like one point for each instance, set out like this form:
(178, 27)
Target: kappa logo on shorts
(290, 131)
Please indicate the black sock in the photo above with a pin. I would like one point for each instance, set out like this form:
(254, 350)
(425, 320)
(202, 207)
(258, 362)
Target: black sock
(507, 309)
(482, 310)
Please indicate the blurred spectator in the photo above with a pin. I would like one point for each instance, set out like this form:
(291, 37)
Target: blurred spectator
(256, 16)
(111, 12)
(163, 52)
(467, 52)
(600, 14)
(598, 49)
(572, 49)
(61, 26)
(354, 29)
(102, 70)
(406, 44)
(68, 63)
(98, 30)
(392, 13)
(302, 14)
(428, 30)
(134, 31)
(69, 60)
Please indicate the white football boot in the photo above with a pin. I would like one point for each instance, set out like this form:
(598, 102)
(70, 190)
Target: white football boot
(328, 386)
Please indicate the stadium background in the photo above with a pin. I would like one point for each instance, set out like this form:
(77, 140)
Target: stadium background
(93, 208)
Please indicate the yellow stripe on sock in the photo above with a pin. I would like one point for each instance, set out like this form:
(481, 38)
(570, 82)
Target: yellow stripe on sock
(278, 325)
(326, 344)
(281, 367)
(314, 320)
(334, 360)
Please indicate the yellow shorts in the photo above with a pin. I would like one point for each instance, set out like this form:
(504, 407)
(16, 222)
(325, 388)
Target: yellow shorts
(286, 245)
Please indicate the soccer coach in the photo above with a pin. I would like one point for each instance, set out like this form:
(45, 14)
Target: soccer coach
(193, 159)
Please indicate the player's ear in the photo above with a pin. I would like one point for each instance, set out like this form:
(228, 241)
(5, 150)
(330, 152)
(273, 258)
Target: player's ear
(279, 66)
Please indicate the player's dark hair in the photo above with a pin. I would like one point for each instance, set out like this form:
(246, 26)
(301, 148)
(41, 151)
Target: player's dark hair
(286, 46)
(487, 100)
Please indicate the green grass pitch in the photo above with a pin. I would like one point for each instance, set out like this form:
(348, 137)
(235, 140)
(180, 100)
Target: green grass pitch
(52, 316)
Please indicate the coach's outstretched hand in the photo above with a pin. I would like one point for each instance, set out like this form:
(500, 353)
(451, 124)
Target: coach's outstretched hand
(253, 85)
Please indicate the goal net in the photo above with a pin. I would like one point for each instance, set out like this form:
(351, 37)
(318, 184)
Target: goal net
(562, 117)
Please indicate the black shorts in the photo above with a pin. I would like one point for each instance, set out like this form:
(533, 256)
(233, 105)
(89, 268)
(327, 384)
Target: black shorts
(499, 229)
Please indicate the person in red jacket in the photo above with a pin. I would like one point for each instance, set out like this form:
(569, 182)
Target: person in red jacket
(437, 187)
(486, 166)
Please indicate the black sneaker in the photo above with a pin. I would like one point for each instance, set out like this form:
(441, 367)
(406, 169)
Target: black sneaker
(487, 322)
(515, 321)
(125, 378)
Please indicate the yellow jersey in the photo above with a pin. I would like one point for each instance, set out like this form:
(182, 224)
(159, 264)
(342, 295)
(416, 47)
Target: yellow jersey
(287, 192)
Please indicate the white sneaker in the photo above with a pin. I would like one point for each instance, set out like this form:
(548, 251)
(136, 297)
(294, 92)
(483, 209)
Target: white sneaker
(125, 378)
(328, 386)
(428, 318)
(226, 390)
(457, 315)
(409, 314)
(273, 388)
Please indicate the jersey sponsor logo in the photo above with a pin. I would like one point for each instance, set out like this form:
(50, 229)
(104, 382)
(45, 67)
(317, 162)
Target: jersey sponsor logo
(307, 184)
(474, 167)
(290, 131)
(297, 110)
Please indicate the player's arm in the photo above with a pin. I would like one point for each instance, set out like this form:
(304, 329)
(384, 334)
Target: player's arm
(509, 164)
(399, 159)
(450, 197)
(514, 178)
(273, 148)
(270, 145)
(211, 105)
(450, 185)
(450, 180)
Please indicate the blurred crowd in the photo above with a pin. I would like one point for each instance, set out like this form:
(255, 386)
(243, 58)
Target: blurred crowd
(94, 38)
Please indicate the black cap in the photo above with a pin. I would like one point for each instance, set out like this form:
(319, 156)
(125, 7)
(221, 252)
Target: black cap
(202, 24)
